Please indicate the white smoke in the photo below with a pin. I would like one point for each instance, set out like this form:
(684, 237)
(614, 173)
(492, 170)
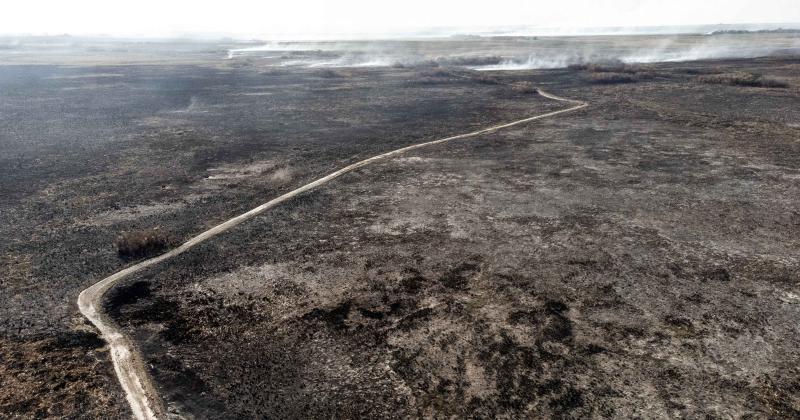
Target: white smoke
(290, 46)
(482, 53)
(671, 49)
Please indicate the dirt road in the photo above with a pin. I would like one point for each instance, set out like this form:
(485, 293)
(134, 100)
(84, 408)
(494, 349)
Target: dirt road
(139, 390)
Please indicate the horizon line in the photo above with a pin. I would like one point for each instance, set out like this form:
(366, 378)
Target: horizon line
(430, 32)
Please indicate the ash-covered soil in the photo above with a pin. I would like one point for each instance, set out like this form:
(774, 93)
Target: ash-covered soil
(90, 151)
(636, 259)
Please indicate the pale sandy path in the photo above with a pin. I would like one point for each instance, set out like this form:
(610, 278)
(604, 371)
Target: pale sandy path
(139, 390)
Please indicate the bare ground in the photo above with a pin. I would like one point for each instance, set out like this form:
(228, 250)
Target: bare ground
(637, 259)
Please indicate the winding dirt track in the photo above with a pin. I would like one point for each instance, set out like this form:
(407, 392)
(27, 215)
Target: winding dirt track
(139, 390)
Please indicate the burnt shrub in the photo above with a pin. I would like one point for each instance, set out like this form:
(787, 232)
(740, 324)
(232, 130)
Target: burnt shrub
(330, 74)
(466, 61)
(611, 78)
(742, 78)
(438, 72)
(611, 66)
(524, 87)
(612, 72)
(699, 71)
(141, 243)
(486, 79)
(578, 67)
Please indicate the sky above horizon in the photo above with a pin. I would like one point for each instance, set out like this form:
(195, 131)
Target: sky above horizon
(331, 18)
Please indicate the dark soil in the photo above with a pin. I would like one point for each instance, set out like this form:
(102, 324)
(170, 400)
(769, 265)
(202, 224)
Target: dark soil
(637, 259)
(92, 151)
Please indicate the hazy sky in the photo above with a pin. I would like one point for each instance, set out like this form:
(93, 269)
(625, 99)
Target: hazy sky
(295, 17)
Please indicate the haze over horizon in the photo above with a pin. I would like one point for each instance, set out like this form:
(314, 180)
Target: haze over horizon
(329, 19)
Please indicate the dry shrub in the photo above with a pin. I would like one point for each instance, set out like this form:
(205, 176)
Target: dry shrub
(142, 242)
(611, 67)
(433, 76)
(743, 79)
(425, 64)
(330, 74)
(467, 61)
(486, 79)
(699, 71)
(275, 72)
(611, 78)
(617, 72)
(429, 81)
(435, 73)
(524, 87)
(578, 67)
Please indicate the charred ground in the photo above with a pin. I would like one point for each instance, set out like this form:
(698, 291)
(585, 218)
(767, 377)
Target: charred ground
(638, 258)
(93, 151)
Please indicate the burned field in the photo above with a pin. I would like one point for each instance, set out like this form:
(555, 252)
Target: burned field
(96, 153)
(638, 258)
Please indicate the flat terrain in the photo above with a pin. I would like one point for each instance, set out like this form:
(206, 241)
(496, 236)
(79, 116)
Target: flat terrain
(639, 258)
(91, 151)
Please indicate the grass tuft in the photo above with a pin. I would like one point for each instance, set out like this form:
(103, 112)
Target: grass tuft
(611, 78)
(330, 74)
(141, 243)
(614, 72)
(524, 87)
(743, 79)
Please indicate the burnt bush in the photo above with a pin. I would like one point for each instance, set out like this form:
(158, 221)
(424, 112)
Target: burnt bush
(578, 67)
(610, 67)
(524, 87)
(486, 79)
(433, 76)
(436, 73)
(330, 74)
(743, 79)
(466, 61)
(696, 71)
(611, 78)
(613, 72)
(141, 243)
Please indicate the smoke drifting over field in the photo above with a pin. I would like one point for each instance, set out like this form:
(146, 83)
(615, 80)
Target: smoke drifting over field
(515, 53)
(670, 49)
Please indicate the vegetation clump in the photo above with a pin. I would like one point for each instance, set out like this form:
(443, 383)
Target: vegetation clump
(330, 74)
(612, 78)
(610, 67)
(141, 243)
(439, 72)
(467, 61)
(741, 78)
(613, 72)
(486, 79)
(524, 87)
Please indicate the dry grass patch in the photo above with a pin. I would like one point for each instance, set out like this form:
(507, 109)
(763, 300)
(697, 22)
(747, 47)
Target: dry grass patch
(331, 74)
(743, 79)
(436, 73)
(611, 78)
(468, 61)
(616, 72)
(524, 87)
(141, 243)
(612, 67)
(486, 79)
